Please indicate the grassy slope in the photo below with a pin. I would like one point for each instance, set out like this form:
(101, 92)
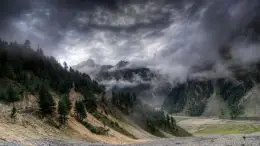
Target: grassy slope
(207, 126)
(230, 128)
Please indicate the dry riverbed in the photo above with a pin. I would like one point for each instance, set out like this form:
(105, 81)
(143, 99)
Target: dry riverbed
(226, 140)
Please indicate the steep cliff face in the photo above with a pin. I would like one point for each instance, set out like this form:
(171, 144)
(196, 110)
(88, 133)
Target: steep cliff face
(193, 95)
(197, 98)
(251, 103)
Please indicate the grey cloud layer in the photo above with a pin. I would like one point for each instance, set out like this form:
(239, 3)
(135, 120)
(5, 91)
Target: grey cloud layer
(169, 36)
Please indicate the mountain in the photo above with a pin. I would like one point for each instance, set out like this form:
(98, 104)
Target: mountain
(89, 67)
(89, 63)
(148, 84)
(195, 96)
(119, 72)
(122, 64)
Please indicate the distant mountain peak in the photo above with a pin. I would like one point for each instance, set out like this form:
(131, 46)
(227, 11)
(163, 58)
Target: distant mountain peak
(89, 63)
(122, 64)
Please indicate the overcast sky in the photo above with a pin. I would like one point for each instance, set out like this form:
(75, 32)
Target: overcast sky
(170, 35)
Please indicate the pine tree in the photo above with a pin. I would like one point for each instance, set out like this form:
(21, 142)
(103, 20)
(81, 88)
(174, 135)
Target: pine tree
(13, 114)
(67, 101)
(80, 110)
(12, 95)
(3, 60)
(113, 100)
(63, 112)
(27, 44)
(168, 120)
(173, 122)
(65, 65)
(103, 98)
(46, 102)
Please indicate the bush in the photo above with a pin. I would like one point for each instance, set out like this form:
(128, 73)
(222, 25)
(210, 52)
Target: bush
(106, 121)
(94, 129)
(235, 111)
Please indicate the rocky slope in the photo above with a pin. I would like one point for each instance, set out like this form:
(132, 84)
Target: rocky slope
(40, 131)
(201, 94)
(216, 97)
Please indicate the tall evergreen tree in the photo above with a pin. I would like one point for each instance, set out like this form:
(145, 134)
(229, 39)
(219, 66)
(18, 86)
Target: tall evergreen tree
(173, 121)
(13, 114)
(65, 66)
(46, 102)
(63, 112)
(12, 95)
(27, 44)
(80, 110)
(67, 101)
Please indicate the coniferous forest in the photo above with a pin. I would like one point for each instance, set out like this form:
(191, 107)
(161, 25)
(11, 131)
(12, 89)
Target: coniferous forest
(33, 70)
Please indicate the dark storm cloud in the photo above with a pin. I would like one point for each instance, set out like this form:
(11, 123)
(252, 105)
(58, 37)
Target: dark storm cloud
(172, 36)
(12, 9)
(66, 14)
(47, 22)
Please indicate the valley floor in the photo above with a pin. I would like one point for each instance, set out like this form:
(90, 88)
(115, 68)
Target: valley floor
(201, 126)
(227, 140)
(206, 131)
